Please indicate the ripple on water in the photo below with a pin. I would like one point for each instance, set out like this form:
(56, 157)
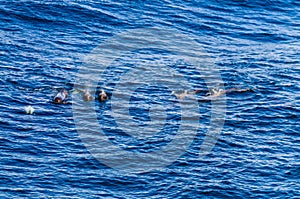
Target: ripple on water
(253, 44)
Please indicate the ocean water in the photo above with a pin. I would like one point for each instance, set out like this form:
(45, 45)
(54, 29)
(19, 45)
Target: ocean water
(252, 44)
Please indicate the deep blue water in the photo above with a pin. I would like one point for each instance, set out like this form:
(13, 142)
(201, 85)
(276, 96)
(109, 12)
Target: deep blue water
(254, 44)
